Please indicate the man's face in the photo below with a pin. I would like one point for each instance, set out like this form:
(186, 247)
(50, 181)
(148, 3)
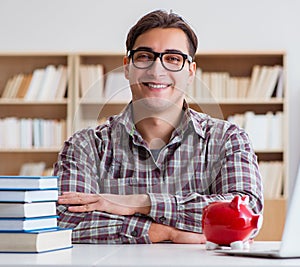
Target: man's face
(157, 87)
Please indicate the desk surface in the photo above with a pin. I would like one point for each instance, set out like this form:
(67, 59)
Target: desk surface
(140, 255)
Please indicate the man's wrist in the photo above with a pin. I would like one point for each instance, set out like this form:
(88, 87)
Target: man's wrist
(143, 204)
(126, 204)
(159, 232)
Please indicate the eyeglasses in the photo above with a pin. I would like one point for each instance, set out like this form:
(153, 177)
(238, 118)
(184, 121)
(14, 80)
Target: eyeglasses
(172, 61)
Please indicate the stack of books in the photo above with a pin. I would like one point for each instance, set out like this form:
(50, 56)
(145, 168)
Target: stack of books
(28, 220)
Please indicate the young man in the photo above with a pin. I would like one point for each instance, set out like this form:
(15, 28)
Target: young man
(145, 175)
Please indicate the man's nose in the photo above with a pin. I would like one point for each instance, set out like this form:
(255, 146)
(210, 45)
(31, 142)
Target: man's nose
(157, 67)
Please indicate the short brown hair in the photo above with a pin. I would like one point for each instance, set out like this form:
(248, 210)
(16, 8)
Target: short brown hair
(162, 19)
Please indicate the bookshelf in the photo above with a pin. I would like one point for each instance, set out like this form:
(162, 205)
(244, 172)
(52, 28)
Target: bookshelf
(57, 110)
(80, 110)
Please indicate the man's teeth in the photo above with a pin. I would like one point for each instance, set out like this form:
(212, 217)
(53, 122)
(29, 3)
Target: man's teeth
(157, 86)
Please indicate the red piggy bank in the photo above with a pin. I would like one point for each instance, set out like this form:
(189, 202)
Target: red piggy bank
(229, 223)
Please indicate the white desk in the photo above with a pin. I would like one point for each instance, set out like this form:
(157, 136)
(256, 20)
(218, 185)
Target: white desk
(140, 255)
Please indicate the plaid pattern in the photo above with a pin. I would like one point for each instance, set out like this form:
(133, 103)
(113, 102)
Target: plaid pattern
(205, 160)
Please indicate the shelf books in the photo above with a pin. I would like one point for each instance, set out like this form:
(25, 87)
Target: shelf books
(27, 210)
(272, 177)
(33, 168)
(36, 241)
(45, 84)
(30, 133)
(28, 182)
(265, 130)
(91, 81)
(265, 82)
(28, 219)
(117, 87)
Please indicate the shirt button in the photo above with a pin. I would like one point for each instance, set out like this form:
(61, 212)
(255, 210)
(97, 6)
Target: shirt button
(162, 219)
(134, 233)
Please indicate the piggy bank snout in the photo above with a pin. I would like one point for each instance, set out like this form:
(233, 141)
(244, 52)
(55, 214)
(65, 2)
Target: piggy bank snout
(256, 221)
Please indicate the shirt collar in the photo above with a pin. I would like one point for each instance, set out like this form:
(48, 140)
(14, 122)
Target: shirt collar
(191, 118)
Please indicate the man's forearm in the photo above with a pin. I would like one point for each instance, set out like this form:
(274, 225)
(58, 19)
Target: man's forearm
(128, 204)
(114, 204)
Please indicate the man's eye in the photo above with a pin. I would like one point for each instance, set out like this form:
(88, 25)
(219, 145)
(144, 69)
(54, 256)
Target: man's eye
(144, 57)
(173, 59)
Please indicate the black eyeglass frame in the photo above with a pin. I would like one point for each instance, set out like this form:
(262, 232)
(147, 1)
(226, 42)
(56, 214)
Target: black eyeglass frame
(160, 56)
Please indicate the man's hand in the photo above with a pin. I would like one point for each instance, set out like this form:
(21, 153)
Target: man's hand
(160, 232)
(115, 204)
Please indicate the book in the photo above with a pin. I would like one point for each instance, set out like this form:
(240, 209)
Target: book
(28, 182)
(117, 88)
(256, 71)
(270, 82)
(62, 83)
(28, 195)
(47, 84)
(24, 86)
(36, 241)
(32, 168)
(256, 125)
(28, 224)
(272, 178)
(27, 210)
(35, 84)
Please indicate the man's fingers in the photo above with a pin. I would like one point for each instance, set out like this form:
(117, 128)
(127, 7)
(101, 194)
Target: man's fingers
(82, 208)
(77, 198)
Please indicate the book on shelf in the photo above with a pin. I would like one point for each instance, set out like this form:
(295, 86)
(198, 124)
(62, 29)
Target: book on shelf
(62, 80)
(28, 182)
(44, 84)
(24, 86)
(31, 133)
(36, 241)
(32, 168)
(28, 224)
(27, 210)
(272, 178)
(117, 87)
(265, 130)
(266, 82)
(54, 83)
(35, 84)
(91, 81)
(257, 127)
(28, 195)
(47, 84)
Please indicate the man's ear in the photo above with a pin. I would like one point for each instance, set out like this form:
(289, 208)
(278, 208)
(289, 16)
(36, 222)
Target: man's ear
(192, 71)
(126, 66)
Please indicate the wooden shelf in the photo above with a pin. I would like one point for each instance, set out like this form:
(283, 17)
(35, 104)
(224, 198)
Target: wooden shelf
(31, 150)
(12, 64)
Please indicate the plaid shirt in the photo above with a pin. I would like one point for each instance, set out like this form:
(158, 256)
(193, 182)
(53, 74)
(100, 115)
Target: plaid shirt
(206, 160)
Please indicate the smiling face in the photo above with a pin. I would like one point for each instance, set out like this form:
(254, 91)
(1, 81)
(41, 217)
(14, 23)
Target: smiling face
(157, 87)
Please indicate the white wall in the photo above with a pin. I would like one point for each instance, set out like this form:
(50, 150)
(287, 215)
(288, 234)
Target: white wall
(96, 25)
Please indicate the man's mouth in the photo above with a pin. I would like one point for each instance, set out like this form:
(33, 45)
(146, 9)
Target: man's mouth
(156, 85)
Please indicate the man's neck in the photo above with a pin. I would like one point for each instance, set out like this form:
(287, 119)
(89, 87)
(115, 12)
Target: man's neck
(156, 127)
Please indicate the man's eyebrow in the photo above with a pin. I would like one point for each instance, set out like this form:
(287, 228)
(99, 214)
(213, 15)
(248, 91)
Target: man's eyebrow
(146, 48)
(173, 51)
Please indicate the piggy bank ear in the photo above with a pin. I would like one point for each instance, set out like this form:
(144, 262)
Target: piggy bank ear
(236, 202)
(245, 199)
